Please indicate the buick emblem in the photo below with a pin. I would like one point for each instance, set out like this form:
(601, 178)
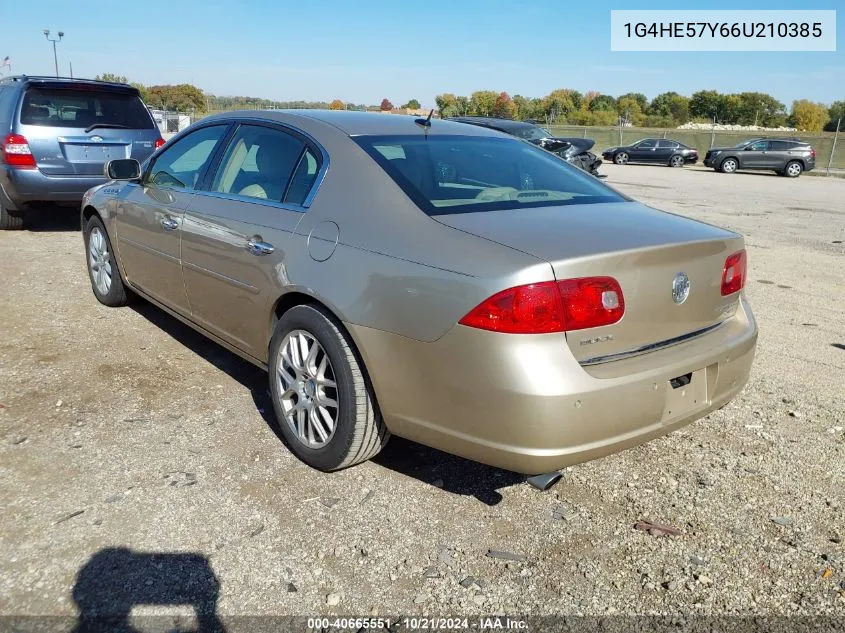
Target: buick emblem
(680, 288)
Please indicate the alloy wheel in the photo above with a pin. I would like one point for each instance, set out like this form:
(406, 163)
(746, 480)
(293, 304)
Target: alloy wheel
(99, 261)
(729, 166)
(309, 396)
(793, 169)
(677, 161)
(621, 158)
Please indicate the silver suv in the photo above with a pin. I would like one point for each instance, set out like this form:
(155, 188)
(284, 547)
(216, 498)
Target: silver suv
(56, 134)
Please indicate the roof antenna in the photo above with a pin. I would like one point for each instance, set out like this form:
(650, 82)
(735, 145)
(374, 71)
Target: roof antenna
(426, 122)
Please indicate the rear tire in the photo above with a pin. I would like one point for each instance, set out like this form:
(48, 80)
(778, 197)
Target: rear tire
(793, 169)
(729, 166)
(621, 158)
(106, 282)
(323, 402)
(676, 161)
(11, 220)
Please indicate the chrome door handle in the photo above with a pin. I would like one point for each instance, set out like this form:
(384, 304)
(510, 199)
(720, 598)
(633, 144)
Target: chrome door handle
(259, 248)
(169, 224)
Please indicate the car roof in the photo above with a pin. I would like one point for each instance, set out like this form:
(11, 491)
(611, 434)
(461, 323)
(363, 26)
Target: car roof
(356, 123)
(501, 124)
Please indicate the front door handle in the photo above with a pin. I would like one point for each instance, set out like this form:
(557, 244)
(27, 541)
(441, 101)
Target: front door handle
(257, 247)
(169, 224)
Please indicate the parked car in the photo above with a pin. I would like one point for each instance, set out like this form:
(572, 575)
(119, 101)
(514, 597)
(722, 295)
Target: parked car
(662, 151)
(58, 133)
(445, 283)
(575, 150)
(785, 156)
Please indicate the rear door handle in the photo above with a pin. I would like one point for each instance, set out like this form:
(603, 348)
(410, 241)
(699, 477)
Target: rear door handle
(257, 247)
(169, 224)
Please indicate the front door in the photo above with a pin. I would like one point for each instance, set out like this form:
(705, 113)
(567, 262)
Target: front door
(150, 215)
(643, 152)
(237, 232)
(756, 155)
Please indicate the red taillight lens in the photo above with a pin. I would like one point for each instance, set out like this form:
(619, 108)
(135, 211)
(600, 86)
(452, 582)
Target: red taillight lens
(812, 152)
(159, 143)
(543, 308)
(733, 275)
(591, 302)
(16, 152)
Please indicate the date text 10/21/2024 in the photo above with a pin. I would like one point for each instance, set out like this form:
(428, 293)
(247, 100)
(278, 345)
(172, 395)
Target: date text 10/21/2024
(493, 623)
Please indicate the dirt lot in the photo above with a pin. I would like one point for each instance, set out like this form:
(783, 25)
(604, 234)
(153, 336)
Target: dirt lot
(121, 428)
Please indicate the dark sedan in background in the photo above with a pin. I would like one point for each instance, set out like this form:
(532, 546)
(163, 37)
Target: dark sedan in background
(661, 151)
(575, 150)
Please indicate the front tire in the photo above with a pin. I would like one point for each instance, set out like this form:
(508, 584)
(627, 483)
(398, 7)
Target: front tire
(729, 166)
(102, 268)
(621, 158)
(793, 169)
(323, 401)
(11, 220)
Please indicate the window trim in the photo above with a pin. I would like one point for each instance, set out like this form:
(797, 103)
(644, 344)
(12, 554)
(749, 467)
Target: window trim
(309, 142)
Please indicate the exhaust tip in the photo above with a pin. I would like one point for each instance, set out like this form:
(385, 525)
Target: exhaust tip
(545, 481)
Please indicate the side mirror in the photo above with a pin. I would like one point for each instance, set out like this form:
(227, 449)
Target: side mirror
(122, 169)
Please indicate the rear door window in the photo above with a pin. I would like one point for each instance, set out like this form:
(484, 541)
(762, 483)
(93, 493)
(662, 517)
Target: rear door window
(668, 145)
(259, 163)
(84, 109)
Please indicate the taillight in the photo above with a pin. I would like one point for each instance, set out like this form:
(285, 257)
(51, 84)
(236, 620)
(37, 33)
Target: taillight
(550, 306)
(812, 152)
(16, 152)
(733, 274)
(159, 142)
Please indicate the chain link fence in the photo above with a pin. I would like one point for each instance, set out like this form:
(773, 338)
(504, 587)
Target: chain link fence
(830, 152)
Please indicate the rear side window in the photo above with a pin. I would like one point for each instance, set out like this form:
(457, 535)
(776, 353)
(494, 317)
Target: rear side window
(258, 163)
(84, 109)
(668, 144)
(464, 174)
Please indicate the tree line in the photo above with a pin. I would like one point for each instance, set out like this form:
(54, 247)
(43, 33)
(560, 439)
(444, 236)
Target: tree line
(669, 109)
(562, 106)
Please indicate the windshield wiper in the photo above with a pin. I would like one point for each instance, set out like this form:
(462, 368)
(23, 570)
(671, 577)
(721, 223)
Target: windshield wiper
(109, 125)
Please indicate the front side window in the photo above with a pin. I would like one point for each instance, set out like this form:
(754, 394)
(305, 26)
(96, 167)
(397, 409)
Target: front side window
(647, 144)
(463, 174)
(180, 166)
(259, 163)
(759, 146)
(84, 109)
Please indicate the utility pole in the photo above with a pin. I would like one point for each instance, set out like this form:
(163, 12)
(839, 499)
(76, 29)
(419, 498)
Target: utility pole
(54, 40)
(71, 70)
(833, 149)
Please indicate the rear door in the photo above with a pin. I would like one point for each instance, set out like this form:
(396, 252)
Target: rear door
(643, 152)
(150, 215)
(237, 231)
(664, 150)
(73, 128)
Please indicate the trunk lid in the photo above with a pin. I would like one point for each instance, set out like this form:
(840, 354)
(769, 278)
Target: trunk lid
(74, 127)
(642, 248)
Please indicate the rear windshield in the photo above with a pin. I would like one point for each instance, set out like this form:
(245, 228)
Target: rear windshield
(466, 174)
(83, 109)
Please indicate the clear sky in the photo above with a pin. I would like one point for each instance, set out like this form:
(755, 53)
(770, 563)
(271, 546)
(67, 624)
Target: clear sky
(364, 50)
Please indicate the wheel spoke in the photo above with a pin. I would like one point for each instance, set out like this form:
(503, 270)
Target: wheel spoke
(324, 401)
(317, 424)
(286, 379)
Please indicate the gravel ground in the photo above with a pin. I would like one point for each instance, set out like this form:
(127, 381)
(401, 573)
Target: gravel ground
(139, 463)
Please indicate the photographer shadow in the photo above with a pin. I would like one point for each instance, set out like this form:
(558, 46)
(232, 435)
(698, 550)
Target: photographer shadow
(114, 580)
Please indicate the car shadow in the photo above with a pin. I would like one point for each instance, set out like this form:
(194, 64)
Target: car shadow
(52, 219)
(431, 466)
(451, 473)
(244, 372)
(115, 580)
(838, 345)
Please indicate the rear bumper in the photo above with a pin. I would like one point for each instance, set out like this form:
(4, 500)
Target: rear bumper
(523, 403)
(19, 187)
